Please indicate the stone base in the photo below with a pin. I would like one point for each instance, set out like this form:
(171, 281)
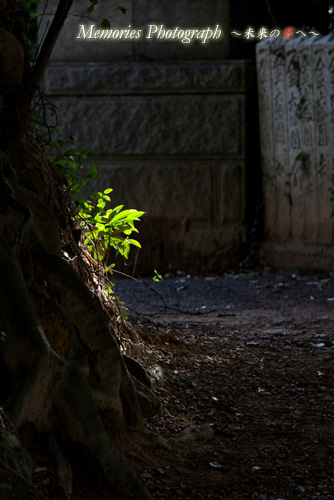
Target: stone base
(289, 255)
(166, 248)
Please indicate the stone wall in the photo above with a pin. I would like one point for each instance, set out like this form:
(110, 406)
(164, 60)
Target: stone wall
(296, 102)
(166, 125)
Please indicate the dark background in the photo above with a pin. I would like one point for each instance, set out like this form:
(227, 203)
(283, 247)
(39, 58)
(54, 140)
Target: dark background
(307, 14)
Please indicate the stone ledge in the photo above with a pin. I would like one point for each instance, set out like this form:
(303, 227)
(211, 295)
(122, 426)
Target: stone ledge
(159, 125)
(136, 77)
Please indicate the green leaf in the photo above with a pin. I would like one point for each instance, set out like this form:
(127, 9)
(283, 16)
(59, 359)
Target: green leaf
(127, 214)
(35, 116)
(126, 250)
(105, 24)
(82, 202)
(111, 213)
(122, 9)
(90, 9)
(70, 152)
(95, 196)
(299, 156)
(93, 171)
(157, 277)
(135, 243)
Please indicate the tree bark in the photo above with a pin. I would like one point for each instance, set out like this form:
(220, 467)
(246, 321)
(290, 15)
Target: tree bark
(64, 380)
(49, 42)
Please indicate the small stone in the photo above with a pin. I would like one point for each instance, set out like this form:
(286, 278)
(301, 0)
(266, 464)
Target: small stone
(215, 465)
(146, 475)
(200, 433)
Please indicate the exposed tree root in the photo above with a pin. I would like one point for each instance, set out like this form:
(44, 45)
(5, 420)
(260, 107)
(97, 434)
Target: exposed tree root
(51, 393)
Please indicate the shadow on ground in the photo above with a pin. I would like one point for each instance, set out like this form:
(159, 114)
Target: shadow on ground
(243, 365)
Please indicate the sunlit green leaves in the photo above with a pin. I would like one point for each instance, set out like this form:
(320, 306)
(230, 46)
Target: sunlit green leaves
(103, 227)
(157, 277)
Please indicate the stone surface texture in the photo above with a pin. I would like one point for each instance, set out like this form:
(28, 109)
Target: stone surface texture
(169, 136)
(69, 48)
(99, 78)
(296, 96)
(159, 125)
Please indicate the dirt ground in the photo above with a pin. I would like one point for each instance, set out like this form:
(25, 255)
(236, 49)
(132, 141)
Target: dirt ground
(244, 364)
(243, 367)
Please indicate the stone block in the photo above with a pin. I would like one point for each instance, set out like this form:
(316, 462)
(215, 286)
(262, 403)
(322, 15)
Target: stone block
(96, 78)
(165, 188)
(214, 245)
(191, 190)
(145, 125)
(231, 193)
(295, 96)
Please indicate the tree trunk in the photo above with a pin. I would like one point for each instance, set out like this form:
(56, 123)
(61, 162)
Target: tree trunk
(65, 385)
